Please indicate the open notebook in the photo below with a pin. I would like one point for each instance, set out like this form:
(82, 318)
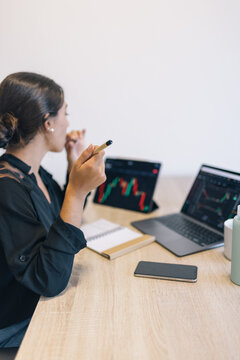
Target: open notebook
(112, 240)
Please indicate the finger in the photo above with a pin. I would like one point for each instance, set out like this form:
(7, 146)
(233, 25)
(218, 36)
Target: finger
(81, 133)
(72, 134)
(86, 154)
(76, 132)
(71, 139)
(70, 142)
(69, 145)
(98, 158)
(100, 154)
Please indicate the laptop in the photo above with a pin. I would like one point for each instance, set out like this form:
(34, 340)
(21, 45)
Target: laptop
(213, 198)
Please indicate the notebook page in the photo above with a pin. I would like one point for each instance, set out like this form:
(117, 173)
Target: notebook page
(102, 235)
(98, 227)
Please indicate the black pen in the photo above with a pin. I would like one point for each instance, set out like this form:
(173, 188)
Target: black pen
(103, 146)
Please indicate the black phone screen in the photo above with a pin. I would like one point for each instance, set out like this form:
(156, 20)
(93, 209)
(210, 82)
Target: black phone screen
(166, 271)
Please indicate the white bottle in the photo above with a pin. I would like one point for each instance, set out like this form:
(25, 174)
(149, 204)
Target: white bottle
(235, 267)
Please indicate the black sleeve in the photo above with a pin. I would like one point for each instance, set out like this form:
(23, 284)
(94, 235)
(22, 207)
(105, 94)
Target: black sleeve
(65, 187)
(40, 260)
(66, 182)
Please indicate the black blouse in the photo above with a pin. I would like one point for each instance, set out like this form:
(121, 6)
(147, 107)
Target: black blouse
(36, 246)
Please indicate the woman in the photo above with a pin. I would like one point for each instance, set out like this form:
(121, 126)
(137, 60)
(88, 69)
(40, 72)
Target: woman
(39, 223)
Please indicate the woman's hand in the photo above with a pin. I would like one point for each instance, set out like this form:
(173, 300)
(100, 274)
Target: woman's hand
(75, 144)
(87, 173)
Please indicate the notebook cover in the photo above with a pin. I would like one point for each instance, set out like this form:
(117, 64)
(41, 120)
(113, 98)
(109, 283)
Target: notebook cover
(126, 247)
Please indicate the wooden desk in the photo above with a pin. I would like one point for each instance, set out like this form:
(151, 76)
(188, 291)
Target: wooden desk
(107, 313)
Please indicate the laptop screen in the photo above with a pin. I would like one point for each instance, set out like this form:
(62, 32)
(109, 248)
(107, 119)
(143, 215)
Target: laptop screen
(213, 197)
(130, 184)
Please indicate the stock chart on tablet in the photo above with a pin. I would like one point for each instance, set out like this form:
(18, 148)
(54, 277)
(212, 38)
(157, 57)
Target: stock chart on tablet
(130, 184)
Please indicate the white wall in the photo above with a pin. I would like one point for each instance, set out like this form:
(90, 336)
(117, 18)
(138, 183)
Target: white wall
(159, 78)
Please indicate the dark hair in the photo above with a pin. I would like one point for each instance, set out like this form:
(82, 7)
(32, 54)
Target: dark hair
(25, 99)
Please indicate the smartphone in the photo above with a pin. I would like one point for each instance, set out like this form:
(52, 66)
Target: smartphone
(166, 271)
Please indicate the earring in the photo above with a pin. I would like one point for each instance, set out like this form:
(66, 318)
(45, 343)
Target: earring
(51, 130)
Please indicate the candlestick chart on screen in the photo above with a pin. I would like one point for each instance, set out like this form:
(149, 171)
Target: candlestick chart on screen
(129, 186)
(213, 199)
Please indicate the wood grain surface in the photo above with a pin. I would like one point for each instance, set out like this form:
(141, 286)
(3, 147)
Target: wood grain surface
(107, 313)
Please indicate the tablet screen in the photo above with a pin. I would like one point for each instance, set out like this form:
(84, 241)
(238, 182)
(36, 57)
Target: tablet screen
(130, 184)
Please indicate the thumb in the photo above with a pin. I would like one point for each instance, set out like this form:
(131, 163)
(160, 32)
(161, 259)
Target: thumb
(86, 154)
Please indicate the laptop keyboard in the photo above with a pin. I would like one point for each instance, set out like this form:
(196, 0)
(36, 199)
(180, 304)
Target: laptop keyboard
(190, 230)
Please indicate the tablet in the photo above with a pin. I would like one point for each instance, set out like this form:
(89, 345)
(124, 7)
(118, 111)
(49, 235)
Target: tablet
(130, 184)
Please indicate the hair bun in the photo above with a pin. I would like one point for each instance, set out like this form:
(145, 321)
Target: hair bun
(8, 126)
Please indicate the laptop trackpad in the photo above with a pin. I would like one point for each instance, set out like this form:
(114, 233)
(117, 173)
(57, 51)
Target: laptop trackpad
(171, 240)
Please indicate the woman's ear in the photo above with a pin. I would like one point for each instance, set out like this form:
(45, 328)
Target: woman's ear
(49, 126)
